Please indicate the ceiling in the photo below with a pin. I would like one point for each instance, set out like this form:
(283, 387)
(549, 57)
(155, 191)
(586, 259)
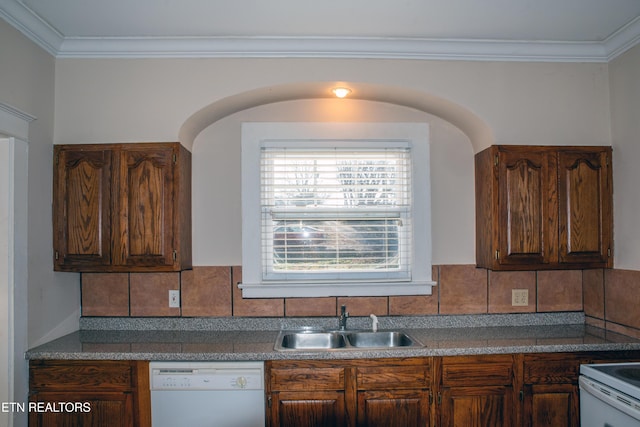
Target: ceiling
(517, 30)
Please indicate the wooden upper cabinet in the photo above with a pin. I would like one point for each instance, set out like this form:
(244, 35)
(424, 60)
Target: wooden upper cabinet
(122, 207)
(541, 207)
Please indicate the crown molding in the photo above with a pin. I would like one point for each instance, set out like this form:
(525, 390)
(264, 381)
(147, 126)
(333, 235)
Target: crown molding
(623, 39)
(31, 25)
(324, 47)
(40, 32)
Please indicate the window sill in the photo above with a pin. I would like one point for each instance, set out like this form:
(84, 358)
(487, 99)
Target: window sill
(300, 290)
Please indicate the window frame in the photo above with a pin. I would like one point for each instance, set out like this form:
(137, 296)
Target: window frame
(256, 135)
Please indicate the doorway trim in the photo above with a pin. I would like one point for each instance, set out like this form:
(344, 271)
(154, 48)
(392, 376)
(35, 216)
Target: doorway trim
(14, 132)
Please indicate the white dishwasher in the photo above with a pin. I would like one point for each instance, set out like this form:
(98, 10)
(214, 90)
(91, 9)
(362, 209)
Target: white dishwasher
(207, 394)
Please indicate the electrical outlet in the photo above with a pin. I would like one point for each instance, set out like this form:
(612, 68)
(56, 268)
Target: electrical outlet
(174, 298)
(520, 297)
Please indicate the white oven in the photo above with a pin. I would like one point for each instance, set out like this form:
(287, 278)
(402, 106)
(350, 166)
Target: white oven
(610, 395)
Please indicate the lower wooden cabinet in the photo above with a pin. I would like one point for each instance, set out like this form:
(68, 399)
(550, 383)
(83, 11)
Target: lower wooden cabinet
(528, 390)
(394, 394)
(551, 394)
(550, 389)
(384, 392)
(89, 394)
(477, 391)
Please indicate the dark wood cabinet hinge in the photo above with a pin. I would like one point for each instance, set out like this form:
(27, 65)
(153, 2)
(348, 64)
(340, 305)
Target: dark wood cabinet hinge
(496, 160)
(521, 395)
(430, 398)
(175, 255)
(269, 401)
(57, 255)
(175, 158)
(498, 254)
(609, 252)
(439, 398)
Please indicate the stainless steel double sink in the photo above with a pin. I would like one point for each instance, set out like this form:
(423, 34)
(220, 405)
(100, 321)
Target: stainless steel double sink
(343, 340)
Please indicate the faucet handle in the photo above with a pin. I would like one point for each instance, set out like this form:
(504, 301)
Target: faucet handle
(374, 322)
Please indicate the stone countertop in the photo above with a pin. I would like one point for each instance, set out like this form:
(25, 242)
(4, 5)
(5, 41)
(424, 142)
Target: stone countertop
(139, 340)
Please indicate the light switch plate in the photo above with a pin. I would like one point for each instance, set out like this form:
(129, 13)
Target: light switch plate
(520, 297)
(174, 298)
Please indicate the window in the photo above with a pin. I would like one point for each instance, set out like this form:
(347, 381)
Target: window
(335, 209)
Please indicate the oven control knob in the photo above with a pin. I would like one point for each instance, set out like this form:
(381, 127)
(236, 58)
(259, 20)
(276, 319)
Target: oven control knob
(241, 382)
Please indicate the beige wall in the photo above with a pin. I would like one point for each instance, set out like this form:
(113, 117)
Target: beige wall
(108, 100)
(27, 83)
(50, 305)
(625, 130)
(149, 99)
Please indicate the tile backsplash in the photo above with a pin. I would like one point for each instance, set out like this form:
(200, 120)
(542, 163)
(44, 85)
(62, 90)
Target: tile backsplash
(607, 297)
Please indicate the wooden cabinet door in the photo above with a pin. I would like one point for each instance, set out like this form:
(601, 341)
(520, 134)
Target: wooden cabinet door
(82, 208)
(524, 207)
(478, 391)
(477, 406)
(395, 393)
(146, 206)
(398, 408)
(308, 409)
(70, 393)
(585, 214)
(556, 405)
(306, 393)
(551, 389)
(108, 409)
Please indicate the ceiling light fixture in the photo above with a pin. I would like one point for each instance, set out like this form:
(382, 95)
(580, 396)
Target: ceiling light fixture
(341, 92)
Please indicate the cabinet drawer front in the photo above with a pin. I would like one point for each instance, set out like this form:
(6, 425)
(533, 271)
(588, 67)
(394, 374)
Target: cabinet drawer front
(93, 376)
(553, 369)
(307, 379)
(476, 373)
(551, 373)
(372, 378)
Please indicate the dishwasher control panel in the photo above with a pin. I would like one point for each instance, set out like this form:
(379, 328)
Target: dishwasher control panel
(206, 376)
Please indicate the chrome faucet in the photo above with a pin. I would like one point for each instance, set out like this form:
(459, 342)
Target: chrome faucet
(342, 320)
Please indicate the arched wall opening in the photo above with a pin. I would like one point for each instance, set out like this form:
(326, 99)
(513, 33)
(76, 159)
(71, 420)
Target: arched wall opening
(215, 143)
(478, 132)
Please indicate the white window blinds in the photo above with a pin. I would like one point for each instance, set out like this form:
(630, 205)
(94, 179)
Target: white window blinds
(336, 212)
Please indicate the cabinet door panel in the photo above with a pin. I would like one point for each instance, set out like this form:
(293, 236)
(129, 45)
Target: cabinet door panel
(146, 207)
(92, 410)
(552, 405)
(398, 408)
(477, 407)
(309, 409)
(585, 207)
(81, 209)
(524, 216)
